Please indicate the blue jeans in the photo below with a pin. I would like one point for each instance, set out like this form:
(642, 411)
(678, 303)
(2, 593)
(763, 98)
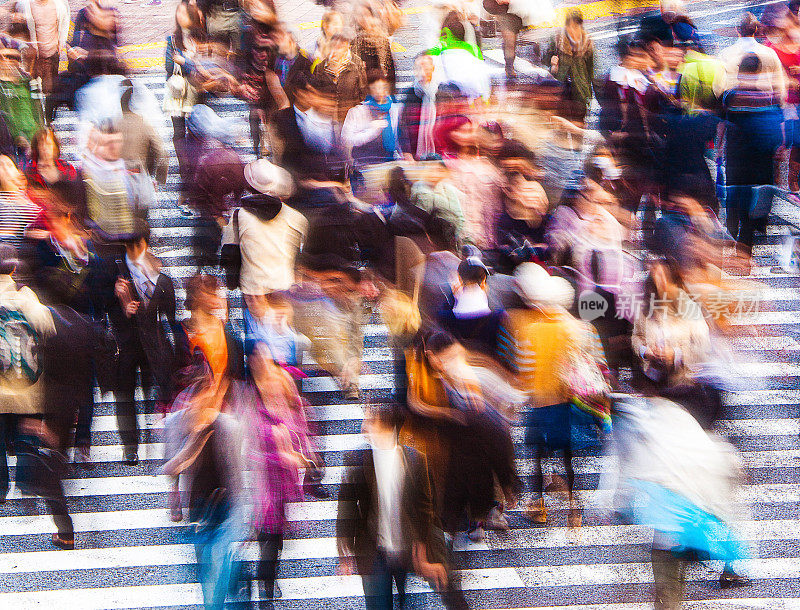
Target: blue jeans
(747, 208)
(217, 566)
(378, 584)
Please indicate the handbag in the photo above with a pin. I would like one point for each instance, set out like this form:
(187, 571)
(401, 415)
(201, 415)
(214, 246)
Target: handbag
(400, 312)
(176, 84)
(230, 256)
(176, 92)
(587, 386)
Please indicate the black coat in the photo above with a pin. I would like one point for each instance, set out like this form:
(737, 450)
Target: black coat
(357, 522)
(147, 330)
(69, 359)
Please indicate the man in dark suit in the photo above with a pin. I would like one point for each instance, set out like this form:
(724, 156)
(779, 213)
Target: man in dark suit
(145, 299)
(386, 526)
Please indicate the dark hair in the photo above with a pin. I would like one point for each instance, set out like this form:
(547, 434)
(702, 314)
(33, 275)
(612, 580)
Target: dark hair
(109, 126)
(387, 414)
(41, 136)
(650, 288)
(127, 94)
(748, 26)
(195, 30)
(472, 271)
(375, 74)
(141, 230)
(398, 186)
(592, 171)
(750, 64)
(626, 46)
(198, 285)
(438, 340)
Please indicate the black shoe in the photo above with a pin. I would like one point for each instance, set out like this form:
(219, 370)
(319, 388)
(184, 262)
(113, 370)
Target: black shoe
(131, 458)
(276, 592)
(63, 542)
(729, 580)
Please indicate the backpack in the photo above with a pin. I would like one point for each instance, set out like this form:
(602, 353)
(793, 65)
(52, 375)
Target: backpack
(19, 349)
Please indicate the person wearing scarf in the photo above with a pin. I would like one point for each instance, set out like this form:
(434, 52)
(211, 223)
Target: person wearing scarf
(370, 129)
(418, 115)
(571, 59)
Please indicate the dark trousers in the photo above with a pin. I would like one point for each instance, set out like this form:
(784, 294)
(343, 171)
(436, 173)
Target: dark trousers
(747, 209)
(378, 583)
(131, 359)
(255, 131)
(8, 438)
(737, 210)
(179, 142)
(83, 427)
(270, 544)
(40, 470)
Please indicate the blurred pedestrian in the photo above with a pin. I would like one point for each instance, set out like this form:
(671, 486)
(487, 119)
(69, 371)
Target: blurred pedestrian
(571, 60)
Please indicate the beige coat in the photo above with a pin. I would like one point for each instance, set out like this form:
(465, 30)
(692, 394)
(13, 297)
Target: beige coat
(27, 399)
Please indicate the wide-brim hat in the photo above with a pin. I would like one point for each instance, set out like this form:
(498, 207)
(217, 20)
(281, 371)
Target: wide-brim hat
(537, 288)
(268, 178)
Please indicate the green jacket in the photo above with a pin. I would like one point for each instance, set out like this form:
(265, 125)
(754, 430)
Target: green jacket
(701, 76)
(22, 112)
(578, 69)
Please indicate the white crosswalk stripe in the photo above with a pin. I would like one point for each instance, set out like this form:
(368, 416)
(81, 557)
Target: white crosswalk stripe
(130, 554)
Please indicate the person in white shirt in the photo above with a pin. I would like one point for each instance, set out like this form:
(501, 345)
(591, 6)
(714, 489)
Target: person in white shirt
(771, 76)
(386, 526)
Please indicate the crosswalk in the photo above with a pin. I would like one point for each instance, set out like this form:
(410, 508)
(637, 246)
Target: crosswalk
(129, 554)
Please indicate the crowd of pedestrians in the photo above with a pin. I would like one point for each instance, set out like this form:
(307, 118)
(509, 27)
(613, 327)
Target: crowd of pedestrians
(562, 250)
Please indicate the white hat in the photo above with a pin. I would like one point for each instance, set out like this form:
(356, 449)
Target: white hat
(538, 288)
(268, 178)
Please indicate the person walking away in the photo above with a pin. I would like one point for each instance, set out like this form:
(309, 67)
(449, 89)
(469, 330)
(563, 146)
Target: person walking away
(21, 386)
(268, 232)
(769, 77)
(541, 344)
(141, 143)
(752, 137)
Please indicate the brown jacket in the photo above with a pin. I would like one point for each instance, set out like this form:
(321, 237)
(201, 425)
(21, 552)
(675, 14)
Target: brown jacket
(350, 87)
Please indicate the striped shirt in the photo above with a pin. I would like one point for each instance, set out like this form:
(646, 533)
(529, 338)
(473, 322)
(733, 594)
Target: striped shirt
(16, 213)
